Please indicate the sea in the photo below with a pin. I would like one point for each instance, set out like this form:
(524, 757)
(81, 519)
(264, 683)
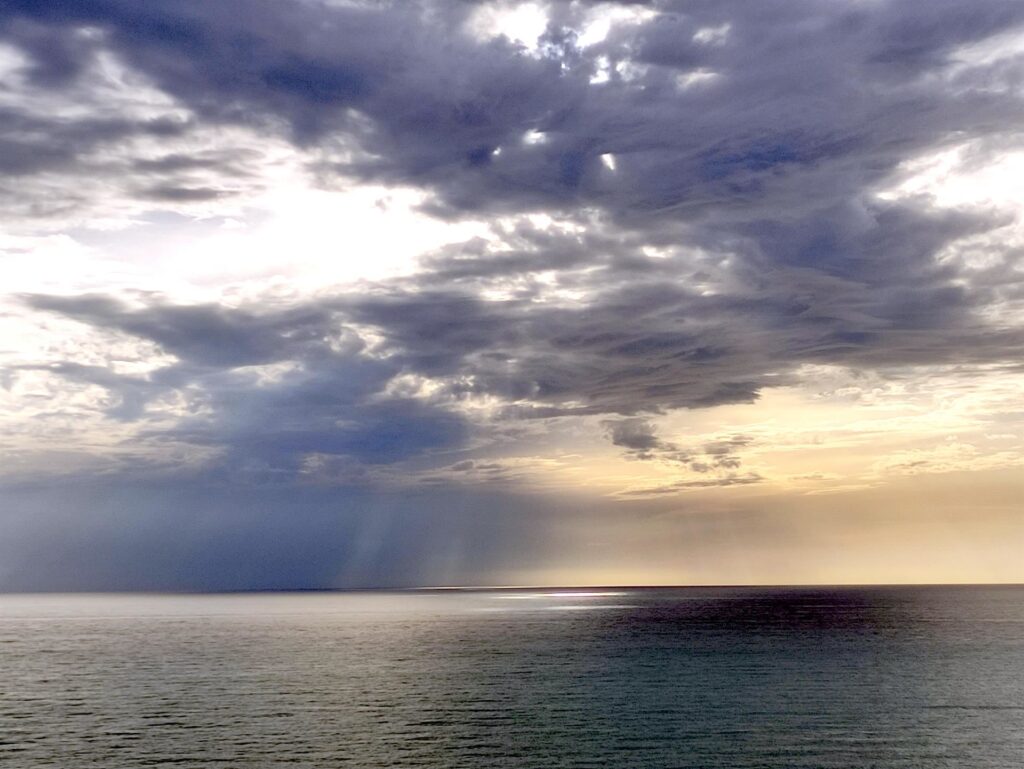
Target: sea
(780, 678)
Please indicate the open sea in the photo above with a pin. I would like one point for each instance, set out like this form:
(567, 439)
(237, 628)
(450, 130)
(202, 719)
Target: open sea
(922, 678)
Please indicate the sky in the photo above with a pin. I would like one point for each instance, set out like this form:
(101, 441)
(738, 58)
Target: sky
(330, 293)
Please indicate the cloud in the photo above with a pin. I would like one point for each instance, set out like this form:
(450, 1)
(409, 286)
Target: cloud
(719, 457)
(683, 214)
(723, 453)
(211, 335)
(329, 409)
(813, 103)
(638, 436)
(684, 330)
(325, 398)
(676, 487)
(130, 393)
(628, 333)
(635, 434)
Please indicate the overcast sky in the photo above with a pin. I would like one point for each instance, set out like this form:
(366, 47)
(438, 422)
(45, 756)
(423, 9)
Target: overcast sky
(307, 293)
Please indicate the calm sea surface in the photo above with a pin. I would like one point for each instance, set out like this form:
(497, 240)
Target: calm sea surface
(881, 677)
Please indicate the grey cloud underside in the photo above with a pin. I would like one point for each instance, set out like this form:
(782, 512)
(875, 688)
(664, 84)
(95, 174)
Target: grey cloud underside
(328, 400)
(638, 436)
(757, 185)
(639, 342)
(859, 288)
(814, 101)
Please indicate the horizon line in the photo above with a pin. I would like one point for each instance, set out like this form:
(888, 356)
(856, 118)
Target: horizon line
(484, 588)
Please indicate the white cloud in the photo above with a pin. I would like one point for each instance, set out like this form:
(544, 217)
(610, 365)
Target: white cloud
(522, 23)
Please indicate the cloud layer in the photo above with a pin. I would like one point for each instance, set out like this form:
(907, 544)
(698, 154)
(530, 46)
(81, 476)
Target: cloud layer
(690, 211)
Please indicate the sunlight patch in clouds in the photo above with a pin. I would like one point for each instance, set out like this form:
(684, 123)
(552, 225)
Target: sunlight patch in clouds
(522, 23)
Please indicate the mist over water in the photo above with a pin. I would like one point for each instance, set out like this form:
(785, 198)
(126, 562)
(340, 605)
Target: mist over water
(844, 677)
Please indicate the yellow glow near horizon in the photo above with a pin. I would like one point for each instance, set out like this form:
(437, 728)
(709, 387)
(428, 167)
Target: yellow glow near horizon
(837, 433)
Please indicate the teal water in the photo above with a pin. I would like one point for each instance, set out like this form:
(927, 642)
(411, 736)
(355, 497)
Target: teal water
(790, 678)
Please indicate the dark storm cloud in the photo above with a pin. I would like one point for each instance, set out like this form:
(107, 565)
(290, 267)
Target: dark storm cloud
(758, 181)
(560, 356)
(812, 101)
(859, 287)
(56, 57)
(332, 408)
(329, 400)
(30, 144)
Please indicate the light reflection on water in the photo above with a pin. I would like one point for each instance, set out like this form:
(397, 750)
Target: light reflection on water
(553, 594)
(739, 678)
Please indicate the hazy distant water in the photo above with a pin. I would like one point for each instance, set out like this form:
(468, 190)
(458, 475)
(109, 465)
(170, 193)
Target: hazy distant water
(924, 678)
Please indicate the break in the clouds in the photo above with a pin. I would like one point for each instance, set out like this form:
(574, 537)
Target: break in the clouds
(678, 261)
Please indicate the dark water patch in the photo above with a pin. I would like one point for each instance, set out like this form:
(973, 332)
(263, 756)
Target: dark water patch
(739, 678)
